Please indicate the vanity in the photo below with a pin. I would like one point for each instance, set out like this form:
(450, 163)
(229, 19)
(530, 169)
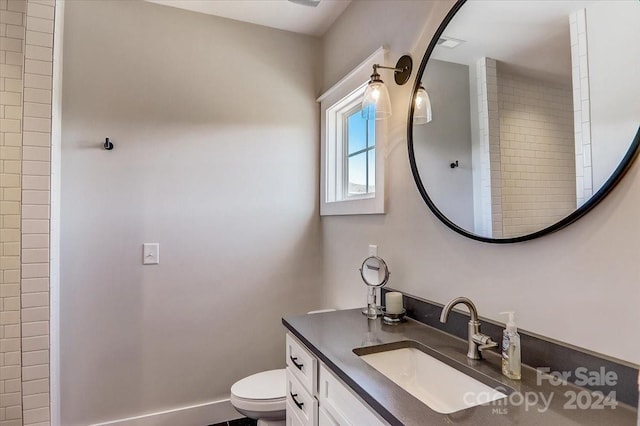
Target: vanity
(328, 382)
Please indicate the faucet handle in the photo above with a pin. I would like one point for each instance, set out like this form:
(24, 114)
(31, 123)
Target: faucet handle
(483, 341)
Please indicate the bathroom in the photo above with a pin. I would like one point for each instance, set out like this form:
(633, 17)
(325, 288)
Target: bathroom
(216, 157)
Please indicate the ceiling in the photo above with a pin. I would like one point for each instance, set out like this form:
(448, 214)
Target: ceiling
(528, 36)
(280, 14)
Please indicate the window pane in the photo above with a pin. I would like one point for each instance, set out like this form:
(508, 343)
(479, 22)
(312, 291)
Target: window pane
(371, 137)
(372, 171)
(358, 174)
(357, 132)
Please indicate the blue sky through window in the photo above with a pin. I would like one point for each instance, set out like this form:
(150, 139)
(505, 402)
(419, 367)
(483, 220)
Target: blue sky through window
(361, 154)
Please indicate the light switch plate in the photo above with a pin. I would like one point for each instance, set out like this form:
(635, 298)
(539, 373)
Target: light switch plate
(151, 253)
(373, 250)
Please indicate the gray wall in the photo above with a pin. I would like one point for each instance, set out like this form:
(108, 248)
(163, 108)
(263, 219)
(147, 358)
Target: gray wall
(589, 270)
(216, 158)
(613, 83)
(445, 139)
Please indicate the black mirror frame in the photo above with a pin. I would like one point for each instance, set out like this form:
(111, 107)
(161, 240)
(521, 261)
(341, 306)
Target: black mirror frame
(613, 180)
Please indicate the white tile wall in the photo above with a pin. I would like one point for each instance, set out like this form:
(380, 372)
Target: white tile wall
(536, 142)
(36, 170)
(12, 35)
(581, 106)
(26, 31)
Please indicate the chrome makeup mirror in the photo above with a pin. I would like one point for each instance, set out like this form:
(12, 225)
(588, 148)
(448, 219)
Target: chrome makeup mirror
(534, 112)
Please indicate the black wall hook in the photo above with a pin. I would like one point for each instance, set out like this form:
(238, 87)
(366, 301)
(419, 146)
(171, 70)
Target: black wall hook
(454, 165)
(108, 145)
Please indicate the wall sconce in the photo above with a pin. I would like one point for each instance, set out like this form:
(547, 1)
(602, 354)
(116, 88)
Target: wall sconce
(422, 109)
(376, 104)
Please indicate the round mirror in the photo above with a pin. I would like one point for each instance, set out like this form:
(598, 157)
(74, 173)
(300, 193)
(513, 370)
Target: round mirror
(525, 114)
(374, 272)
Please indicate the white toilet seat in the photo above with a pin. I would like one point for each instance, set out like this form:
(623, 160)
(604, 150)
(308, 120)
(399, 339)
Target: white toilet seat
(262, 395)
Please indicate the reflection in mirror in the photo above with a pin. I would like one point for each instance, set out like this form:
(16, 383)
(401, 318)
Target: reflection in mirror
(538, 102)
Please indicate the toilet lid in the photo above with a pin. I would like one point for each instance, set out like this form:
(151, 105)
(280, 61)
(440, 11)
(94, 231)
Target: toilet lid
(261, 386)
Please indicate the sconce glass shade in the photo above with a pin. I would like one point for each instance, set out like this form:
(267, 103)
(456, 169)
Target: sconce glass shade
(376, 104)
(422, 109)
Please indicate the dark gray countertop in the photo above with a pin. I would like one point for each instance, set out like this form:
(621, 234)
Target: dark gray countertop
(333, 336)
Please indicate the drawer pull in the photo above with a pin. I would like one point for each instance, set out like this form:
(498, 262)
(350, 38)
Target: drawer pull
(298, 404)
(293, 360)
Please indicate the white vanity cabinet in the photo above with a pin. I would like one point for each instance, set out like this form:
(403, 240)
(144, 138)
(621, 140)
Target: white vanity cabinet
(316, 397)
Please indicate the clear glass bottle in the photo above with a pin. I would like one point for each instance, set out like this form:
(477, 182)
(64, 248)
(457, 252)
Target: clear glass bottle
(511, 363)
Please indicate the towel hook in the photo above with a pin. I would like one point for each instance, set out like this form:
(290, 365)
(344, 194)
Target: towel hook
(108, 145)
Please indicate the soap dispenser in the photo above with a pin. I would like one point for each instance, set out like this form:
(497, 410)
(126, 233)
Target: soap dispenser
(511, 366)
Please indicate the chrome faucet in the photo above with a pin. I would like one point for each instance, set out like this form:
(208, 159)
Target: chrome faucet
(477, 340)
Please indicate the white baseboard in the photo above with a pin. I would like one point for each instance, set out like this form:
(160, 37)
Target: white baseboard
(204, 414)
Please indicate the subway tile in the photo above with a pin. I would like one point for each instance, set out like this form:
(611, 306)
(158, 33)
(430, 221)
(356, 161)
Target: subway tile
(35, 415)
(31, 153)
(35, 256)
(38, 67)
(13, 385)
(10, 17)
(37, 81)
(39, 39)
(31, 329)
(35, 285)
(36, 182)
(35, 226)
(17, 5)
(31, 241)
(11, 44)
(40, 25)
(10, 399)
(37, 343)
(10, 290)
(12, 358)
(37, 95)
(32, 300)
(35, 212)
(15, 31)
(13, 86)
(32, 124)
(35, 358)
(35, 386)
(10, 71)
(36, 168)
(38, 53)
(35, 270)
(9, 345)
(12, 413)
(11, 317)
(10, 98)
(35, 401)
(10, 372)
(37, 110)
(39, 11)
(35, 314)
(10, 332)
(35, 138)
(35, 197)
(11, 304)
(10, 126)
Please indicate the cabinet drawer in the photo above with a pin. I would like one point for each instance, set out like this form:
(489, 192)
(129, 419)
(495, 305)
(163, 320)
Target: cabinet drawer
(303, 365)
(300, 403)
(343, 406)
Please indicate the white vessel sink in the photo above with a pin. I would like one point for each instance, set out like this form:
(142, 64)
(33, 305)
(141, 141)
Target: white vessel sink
(440, 386)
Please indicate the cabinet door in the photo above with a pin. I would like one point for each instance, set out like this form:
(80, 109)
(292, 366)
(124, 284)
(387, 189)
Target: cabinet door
(326, 418)
(300, 402)
(302, 363)
(342, 404)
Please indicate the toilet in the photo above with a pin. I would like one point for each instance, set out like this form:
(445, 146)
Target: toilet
(262, 396)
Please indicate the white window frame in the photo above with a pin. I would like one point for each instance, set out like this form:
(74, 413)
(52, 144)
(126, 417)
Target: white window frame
(335, 103)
